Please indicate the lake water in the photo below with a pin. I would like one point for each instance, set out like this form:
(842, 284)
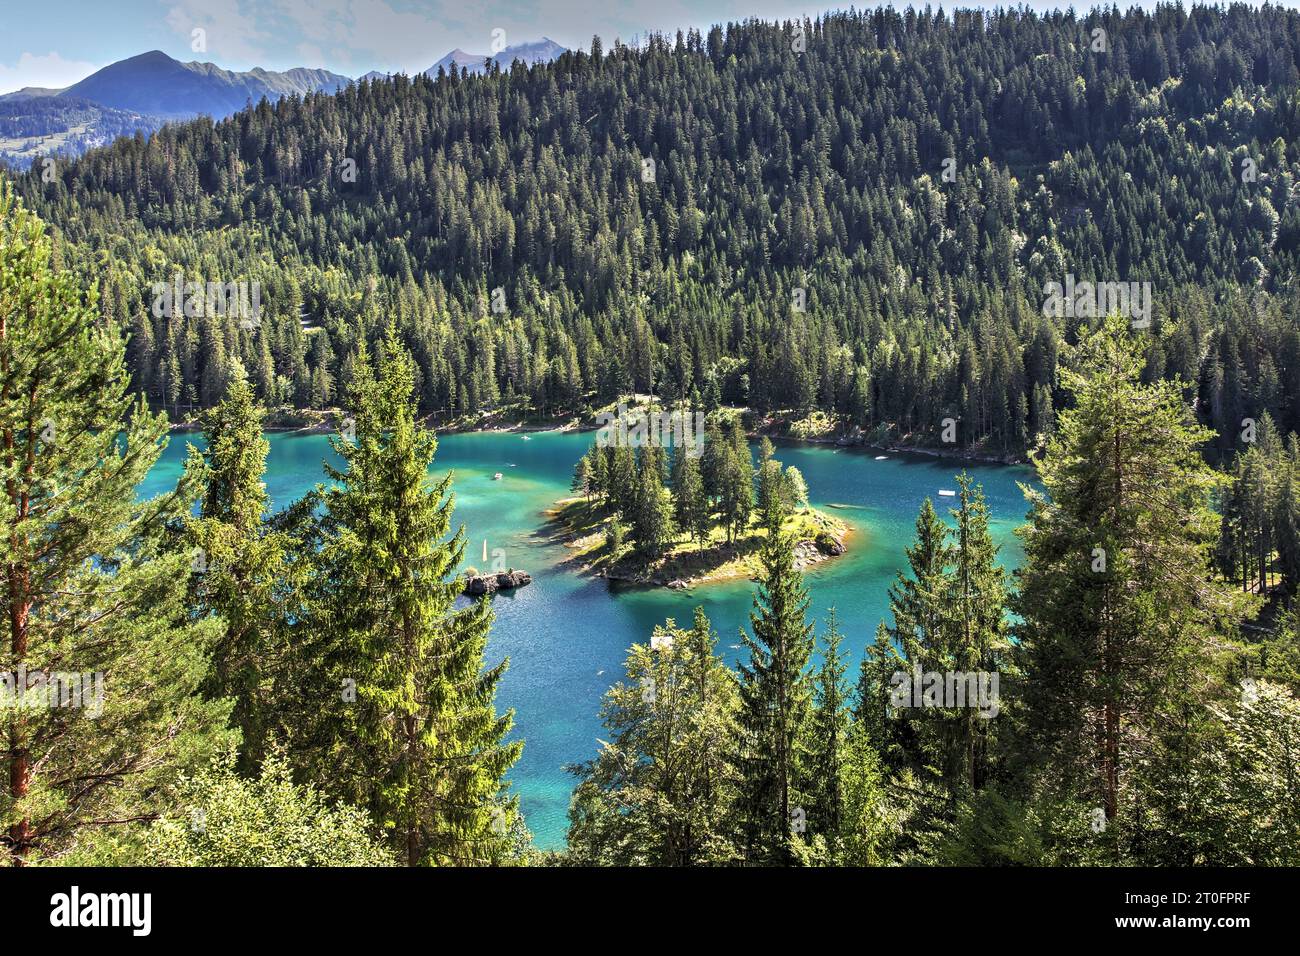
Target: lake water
(567, 634)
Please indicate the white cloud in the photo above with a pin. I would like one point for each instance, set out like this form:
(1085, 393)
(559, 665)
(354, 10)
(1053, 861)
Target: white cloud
(310, 54)
(50, 70)
(371, 32)
(230, 34)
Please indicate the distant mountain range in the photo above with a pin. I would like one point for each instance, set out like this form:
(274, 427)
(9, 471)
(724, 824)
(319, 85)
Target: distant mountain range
(143, 92)
(538, 51)
(158, 85)
(155, 83)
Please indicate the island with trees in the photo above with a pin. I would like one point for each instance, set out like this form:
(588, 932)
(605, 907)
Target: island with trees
(678, 516)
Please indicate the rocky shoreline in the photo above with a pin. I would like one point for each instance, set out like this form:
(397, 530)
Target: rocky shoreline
(675, 573)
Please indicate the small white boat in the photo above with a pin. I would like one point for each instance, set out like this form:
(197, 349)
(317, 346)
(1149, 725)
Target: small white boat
(945, 493)
(526, 438)
(497, 476)
(882, 458)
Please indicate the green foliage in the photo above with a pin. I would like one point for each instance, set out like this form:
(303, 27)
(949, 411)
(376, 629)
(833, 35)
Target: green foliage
(418, 740)
(658, 793)
(828, 740)
(1228, 795)
(94, 585)
(1116, 599)
(769, 751)
(221, 819)
(691, 507)
(243, 576)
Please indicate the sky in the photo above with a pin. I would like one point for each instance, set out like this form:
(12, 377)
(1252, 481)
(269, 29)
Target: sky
(58, 42)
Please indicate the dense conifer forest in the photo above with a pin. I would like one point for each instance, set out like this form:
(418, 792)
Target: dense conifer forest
(857, 214)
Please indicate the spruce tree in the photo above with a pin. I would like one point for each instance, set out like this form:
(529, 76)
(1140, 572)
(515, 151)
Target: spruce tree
(243, 578)
(737, 488)
(652, 519)
(689, 502)
(582, 480)
(828, 738)
(415, 733)
(775, 708)
(976, 640)
(917, 600)
(874, 719)
(712, 461)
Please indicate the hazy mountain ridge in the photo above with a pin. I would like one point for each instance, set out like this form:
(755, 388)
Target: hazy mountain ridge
(155, 83)
(535, 51)
(138, 94)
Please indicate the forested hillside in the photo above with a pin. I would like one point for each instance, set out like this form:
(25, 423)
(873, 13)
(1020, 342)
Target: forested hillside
(649, 216)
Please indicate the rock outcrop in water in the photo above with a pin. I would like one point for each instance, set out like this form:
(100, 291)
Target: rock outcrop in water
(477, 585)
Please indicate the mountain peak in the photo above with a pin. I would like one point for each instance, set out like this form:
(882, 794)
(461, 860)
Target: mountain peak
(532, 51)
(159, 85)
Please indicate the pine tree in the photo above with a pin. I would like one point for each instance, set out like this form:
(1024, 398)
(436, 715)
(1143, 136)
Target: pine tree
(737, 488)
(775, 708)
(1116, 600)
(652, 520)
(416, 735)
(713, 459)
(975, 640)
(94, 587)
(917, 599)
(582, 483)
(622, 479)
(770, 501)
(874, 719)
(692, 509)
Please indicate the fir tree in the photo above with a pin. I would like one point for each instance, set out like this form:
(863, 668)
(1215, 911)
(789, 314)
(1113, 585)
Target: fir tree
(243, 579)
(416, 735)
(689, 502)
(977, 641)
(582, 480)
(652, 519)
(828, 740)
(775, 708)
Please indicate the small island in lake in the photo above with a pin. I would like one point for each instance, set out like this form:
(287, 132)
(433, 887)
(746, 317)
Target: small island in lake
(701, 514)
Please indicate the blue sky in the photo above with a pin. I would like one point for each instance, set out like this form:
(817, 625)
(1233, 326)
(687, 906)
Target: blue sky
(57, 42)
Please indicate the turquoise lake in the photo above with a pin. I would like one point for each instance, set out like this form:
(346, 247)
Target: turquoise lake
(567, 634)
